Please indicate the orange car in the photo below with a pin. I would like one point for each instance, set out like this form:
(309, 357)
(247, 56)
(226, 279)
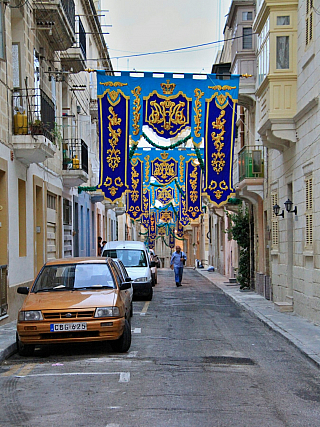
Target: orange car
(75, 300)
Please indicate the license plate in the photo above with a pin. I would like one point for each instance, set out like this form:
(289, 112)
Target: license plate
(62, 327)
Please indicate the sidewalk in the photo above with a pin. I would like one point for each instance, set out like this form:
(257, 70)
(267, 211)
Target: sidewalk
(301, 333)
(298, 331)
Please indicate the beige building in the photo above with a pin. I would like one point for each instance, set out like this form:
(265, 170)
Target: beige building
(48, 138)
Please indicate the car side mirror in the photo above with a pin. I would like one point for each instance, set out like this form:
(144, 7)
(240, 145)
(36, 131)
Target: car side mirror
(24, 290)
(152, 264)
(124, 286)
(128, 279)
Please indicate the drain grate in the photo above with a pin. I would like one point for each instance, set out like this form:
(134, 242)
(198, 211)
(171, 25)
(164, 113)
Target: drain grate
(228, 360)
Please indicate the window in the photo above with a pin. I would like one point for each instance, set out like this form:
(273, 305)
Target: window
(66, 212)
(309, 213)
(22, 218)
(283, 20)
(246, 16)
(274, 223)
(2, 33)
(309, 21)
(51, 201)
(16, 80)
(263, 53)
(247, 38)
(282, 59)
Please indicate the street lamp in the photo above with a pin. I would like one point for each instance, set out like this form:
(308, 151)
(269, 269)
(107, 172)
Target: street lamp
(276, 210)
(288, 205)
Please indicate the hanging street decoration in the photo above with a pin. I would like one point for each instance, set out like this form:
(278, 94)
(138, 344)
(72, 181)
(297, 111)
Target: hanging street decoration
(167, 111)
(193, 190)
(113, 111)
(171, 237)
(145, 220)
(161, 230)
(135, 189)
(183, 216)
(179, 233)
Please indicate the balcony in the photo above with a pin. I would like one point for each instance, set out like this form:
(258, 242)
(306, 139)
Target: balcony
(74, 58)
(57, 20)
(251, 173)
(75, 162)
(94, 108)
(33, 126)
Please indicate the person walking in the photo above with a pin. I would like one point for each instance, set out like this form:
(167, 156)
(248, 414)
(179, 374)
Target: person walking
(178, 260)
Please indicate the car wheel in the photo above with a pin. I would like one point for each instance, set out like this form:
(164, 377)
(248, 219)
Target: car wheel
(149, 296)
(122, 344)
(25, 350)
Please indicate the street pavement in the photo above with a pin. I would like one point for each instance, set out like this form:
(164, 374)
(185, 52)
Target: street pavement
(298, 331)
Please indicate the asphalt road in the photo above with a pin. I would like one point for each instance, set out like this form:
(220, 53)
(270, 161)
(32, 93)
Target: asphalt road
(196, 360)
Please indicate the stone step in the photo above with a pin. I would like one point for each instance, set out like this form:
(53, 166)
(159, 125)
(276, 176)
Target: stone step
(283, 307)
(232, 280)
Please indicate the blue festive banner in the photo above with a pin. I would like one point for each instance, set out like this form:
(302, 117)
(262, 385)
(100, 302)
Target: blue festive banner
(183, 217)
(219, 140)
(113, 110)
(193, 189)
(135, 192)
(171, 237)
(164, 170)
(164, 195)
(152, 226)
(145, 219)
(161, 230)
(180, 231)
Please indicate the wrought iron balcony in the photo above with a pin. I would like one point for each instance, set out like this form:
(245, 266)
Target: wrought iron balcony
(33, 125)
(74, 58)
(251, 162)
(75, 162)
(251, 173)
(57, 20)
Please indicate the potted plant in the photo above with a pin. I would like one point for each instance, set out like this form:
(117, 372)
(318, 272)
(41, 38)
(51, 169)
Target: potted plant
(36, 127)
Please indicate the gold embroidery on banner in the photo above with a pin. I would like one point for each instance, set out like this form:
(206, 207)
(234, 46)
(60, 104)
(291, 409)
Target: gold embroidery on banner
(114, 95)
(164, 155)
(218, 157)
(145, 203)
(167, 113)
(165, 216)
(168, 87)
(113, 157)
(181, 158)
(114, 84)
(113, 188)
(136, 109)
(164, 195)
(147, 168)
(218, 87)
(193, 182)
(164, 170)
(218, 193)
(197, 118)
(134, 193)
(161, 231)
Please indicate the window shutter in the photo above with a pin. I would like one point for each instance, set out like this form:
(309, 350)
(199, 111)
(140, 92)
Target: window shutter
(309, 213)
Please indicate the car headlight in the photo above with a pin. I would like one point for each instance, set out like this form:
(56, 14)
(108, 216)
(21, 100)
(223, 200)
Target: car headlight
(141, 279)
(107, 312)
(30, 316)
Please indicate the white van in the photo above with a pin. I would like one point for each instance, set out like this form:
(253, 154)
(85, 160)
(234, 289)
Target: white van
(134, 256)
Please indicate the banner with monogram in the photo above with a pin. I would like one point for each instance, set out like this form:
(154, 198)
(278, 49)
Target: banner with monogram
(193, 189)
(164, 194)
(219, 140)
(135, 191)
(161, 230)
(161, 109)
(145, 219)
(171, 237)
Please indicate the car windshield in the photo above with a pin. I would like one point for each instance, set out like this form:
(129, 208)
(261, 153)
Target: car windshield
(129, 257)
(73, 277)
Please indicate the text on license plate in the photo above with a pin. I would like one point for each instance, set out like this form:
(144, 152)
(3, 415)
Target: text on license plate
(61, 327)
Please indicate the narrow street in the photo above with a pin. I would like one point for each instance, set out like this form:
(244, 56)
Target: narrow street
(196, 359)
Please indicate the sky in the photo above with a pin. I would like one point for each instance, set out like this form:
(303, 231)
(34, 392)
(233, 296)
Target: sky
(142, 26)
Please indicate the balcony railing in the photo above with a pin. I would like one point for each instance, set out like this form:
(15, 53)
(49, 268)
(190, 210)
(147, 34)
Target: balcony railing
(82, 38)
(69, 8)
(251, 162)
(33, 113)
(3, 290)
(75, 155)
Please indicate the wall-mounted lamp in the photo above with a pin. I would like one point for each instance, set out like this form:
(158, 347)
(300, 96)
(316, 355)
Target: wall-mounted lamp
(288, 205)
(276, 210)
